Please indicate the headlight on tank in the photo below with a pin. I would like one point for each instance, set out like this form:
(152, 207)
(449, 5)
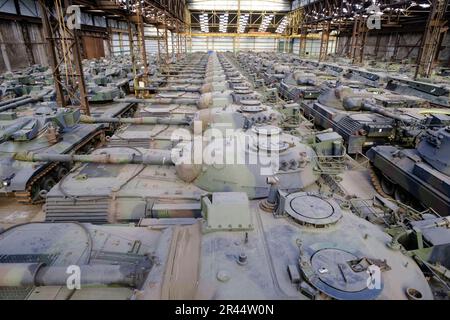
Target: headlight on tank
(6, 181)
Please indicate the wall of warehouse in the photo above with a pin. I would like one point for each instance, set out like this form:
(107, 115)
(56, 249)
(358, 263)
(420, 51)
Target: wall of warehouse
(407, 47)
(17, 35)
(312, 48)
(22, 42)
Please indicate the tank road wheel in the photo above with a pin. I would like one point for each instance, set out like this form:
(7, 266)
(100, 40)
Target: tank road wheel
(387, 186)
(401, 195)
(39, 190)
(35, 193)
(48, 183)
(61, 172)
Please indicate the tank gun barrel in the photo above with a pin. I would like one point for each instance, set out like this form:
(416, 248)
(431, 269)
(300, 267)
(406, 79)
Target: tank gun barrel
(384, 112)
(28, 99)
(159, 100)
(38, 274)
(141, 120)
(9, 131)
(2, 103)
(153, 157)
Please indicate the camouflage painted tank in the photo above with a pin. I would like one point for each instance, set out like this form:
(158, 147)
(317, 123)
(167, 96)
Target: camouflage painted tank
(166, 117)
(299, 85)
(53, 131)
(30, 80)
(128, 175)
(112, 261)
(109, 79)
(365, 117)
(146, 129)
(235, 251)
(435, 94)
(369, 78)
(422, 173)
(311, 247)
(27, 101)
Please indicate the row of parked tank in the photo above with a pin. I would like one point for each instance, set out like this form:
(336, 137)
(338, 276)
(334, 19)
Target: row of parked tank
(404, 123)
(127, 202)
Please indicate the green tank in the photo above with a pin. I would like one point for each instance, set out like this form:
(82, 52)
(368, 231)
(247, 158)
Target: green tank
(54, 131)
(124, 171)
(366, 117)
(311, 247)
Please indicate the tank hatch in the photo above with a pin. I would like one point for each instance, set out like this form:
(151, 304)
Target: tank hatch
(435, 147)
(313, 210)
(340, 275)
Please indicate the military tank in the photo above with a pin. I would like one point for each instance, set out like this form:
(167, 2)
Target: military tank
(160, 123)
(423, 235)
(24, 82)
(310, 247)
(106, 83)
(112, 261)
(421, 173)
(369, 78)
(211, 108)
(154, 131)
(436, 94)
(332, 69)
(366, 117)
(298, 85)
(12, 104)
(119, 177)
(55, 131)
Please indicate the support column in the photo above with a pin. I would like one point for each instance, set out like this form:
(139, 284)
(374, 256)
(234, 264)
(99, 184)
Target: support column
(429, 47)
(324, 40)
(26, 35)
(52, 57)
(5, 53)
(141, 39)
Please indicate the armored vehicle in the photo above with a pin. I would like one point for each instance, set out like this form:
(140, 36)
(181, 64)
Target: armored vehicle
(421, 174)
(54, 131)
(369, 78)
(119, 177)
(310, 247)
(435, 94)
(112, 261)
(298, 85)
(365, 117)
(27, 81)
(427, 240)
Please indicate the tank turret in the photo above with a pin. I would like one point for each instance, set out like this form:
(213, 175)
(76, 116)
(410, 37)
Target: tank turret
(299, 84)
(434, 148)
(328, 253)
(262, 151)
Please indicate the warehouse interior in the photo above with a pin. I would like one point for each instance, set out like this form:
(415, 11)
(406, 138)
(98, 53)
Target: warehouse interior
(307, 28)
(225, 150)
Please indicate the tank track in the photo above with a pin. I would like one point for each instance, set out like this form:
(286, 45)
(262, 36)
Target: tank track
(26, 197)
(377, 184)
